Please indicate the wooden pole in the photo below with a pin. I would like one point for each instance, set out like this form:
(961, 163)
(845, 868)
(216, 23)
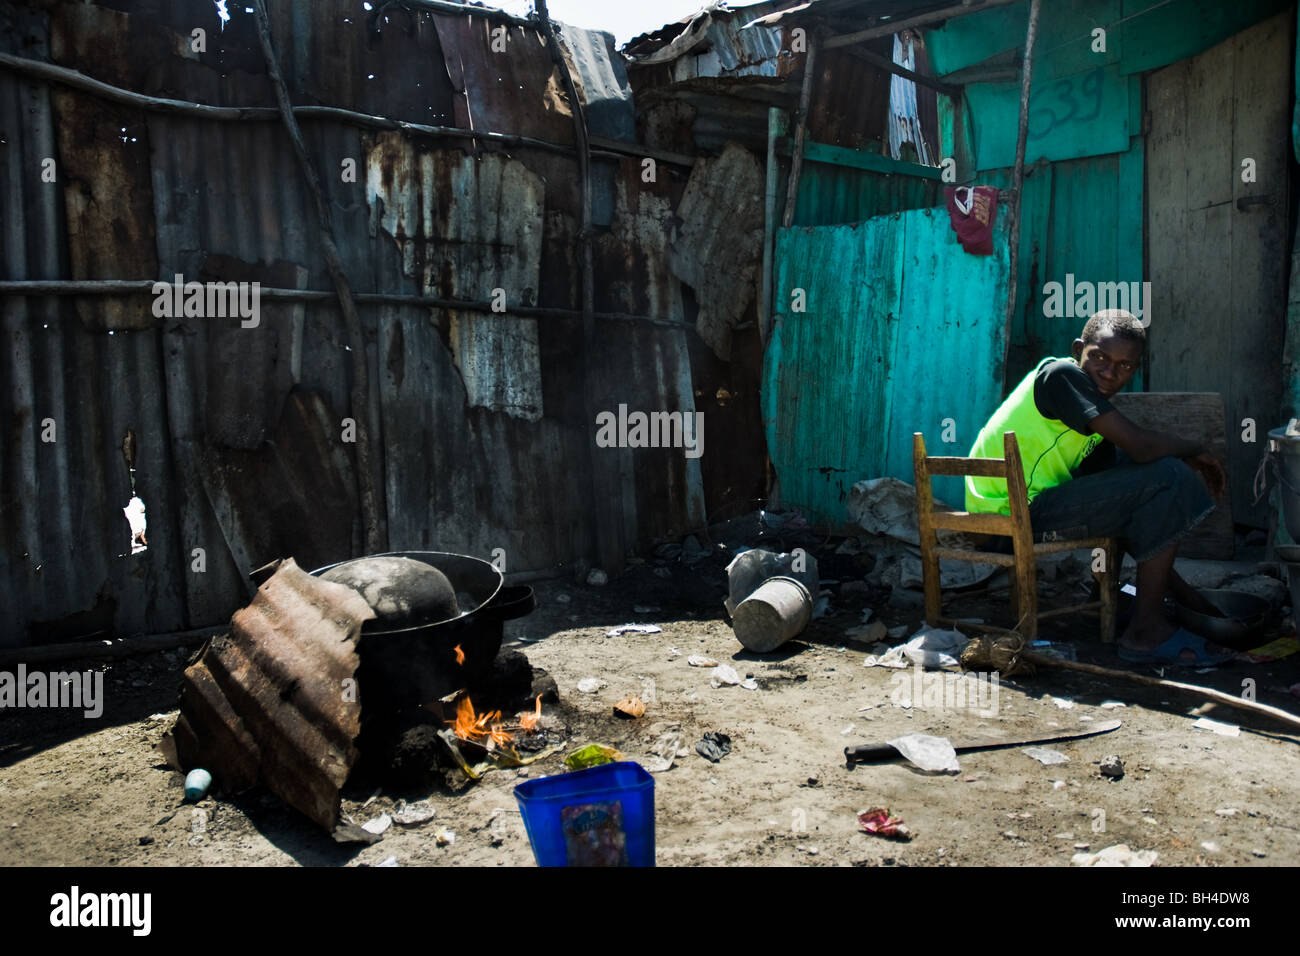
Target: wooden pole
(374, 535)
(1017, 182)
(889, 66)
(800, 132)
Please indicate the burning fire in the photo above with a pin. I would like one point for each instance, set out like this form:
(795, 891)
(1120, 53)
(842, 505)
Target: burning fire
(460, 655)
(487, 728)
(530, 722)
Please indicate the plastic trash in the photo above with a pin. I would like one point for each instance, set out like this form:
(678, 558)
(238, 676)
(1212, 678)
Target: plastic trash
(1117, 855)
(197, 782)
(930, 647)
(713, 746)
(699, 660)
(592, 755)
(724, 675)
(413, 814)
(633, 628)
(878, 822)
(1046, 755)
(378, 825)
(1218, 727)
(590, 685)
(931, 754)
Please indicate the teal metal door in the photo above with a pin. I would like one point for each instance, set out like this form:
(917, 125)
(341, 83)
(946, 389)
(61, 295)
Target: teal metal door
(881, 328)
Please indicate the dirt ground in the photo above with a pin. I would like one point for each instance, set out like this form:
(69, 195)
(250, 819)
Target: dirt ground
(74, 791)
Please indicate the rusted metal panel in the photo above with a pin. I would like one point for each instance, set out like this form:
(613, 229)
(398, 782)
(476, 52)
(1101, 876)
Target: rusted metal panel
(276, 699)
(717, 247)
(236, 463)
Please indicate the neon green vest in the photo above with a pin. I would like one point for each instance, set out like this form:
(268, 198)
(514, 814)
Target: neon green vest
(1049, 449)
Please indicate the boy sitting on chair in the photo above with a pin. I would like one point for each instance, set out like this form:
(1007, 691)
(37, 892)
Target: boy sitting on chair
(1060, 413)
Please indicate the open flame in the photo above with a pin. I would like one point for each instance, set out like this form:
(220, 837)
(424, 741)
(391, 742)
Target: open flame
(530, 722)
(460, 655)
(485, 728)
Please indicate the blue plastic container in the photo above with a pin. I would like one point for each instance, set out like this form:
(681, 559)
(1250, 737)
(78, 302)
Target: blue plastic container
(602, 816)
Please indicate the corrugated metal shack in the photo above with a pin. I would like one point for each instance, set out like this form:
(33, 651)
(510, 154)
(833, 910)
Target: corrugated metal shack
(443, 139)
(1141, 118)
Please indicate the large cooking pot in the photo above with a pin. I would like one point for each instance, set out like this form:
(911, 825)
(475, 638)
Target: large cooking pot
(407, 664)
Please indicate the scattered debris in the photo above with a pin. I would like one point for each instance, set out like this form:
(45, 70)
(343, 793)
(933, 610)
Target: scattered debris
(597, 578)
(1227, 811)
(896, 632)
(699, 660)
(378, 825)
(197, 782)
(1222, 729)
(1112, 766)
(1259, 853)
(388, 861)
(878, 822)
(592, 755)
(1209, 846)
(664, 750)
(444, 837)
(1117, 855)
(1112, 704)
(749, 683)
(632, 707)
(931, 754)
(413, 814)
(1064, 703)
(724, 675)
(930, 647)
(591, 685)
(868, 633)
(563, 598)
(1045, 755)
(713, 746)
(634, 628)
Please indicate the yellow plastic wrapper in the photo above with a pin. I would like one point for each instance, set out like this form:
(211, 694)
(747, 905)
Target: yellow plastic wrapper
(592, 755)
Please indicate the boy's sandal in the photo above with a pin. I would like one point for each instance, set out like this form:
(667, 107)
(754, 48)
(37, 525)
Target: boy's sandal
(1170, 652)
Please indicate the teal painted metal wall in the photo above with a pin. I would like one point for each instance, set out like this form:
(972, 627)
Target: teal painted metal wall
(837, 194)
(901, 330)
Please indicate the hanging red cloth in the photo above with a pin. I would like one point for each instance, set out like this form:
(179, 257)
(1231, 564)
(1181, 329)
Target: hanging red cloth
(972, 211)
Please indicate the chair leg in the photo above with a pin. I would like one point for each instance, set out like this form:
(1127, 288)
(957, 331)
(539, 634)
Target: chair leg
(1026, 589)
(931, 582)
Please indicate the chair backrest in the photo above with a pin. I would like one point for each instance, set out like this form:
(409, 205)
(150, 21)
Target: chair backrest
(1008, 468)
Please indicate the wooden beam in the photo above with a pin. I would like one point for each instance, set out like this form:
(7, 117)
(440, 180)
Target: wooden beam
(105, 648)
(872, 162)
(920, 20)
(889, 66)
(1018, 180)
(801, 131)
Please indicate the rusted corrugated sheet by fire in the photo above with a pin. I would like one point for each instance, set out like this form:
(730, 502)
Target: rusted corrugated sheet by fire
(275, 701)
(477, 425)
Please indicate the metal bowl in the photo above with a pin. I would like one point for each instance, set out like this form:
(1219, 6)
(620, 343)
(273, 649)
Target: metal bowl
(1245, 617)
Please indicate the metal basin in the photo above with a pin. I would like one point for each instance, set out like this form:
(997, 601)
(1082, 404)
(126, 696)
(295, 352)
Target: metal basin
(1245, 618)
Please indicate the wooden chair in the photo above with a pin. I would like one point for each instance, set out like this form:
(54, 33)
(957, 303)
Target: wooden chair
(1022, 563)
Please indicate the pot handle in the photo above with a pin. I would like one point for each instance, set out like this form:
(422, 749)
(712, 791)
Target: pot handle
(510, 603)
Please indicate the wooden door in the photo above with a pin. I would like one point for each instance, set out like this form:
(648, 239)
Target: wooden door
(1217, 246)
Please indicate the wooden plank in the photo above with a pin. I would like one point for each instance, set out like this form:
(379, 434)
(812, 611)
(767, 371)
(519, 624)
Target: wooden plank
(1192, 415)
(860, 159)
(975, 523)
(979, 467)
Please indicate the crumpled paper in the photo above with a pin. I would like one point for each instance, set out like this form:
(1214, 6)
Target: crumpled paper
(930, 647)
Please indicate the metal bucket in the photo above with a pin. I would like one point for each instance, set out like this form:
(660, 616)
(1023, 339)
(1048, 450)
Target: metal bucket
(1288, 460)
(779, 609)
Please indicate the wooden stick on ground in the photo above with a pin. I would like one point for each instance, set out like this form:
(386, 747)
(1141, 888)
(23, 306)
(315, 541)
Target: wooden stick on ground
(1009, 653)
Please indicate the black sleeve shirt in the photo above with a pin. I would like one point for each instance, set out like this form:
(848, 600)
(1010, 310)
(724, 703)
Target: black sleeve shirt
(1064, 392)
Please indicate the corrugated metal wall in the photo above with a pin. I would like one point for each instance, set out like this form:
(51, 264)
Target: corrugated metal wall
(901, 331)
(477, 419)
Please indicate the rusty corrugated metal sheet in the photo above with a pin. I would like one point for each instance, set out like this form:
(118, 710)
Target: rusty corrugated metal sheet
(241, 458)
(271, 701)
